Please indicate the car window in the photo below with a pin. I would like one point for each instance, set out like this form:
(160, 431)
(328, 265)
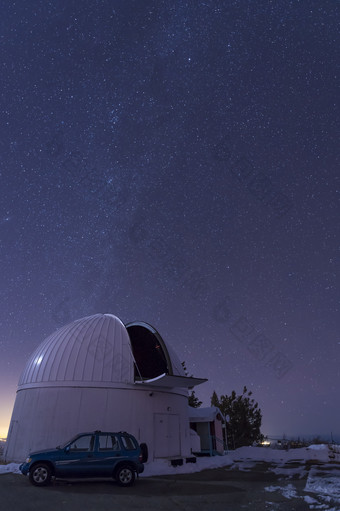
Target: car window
(108, 443)
(82, 443)
(128, 443)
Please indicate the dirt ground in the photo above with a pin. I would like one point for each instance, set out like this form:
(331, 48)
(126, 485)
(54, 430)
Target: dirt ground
(220, 489)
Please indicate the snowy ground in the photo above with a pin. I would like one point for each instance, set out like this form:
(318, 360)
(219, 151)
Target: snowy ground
(319, 465)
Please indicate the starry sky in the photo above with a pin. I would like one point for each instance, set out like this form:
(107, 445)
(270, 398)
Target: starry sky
(177, 162)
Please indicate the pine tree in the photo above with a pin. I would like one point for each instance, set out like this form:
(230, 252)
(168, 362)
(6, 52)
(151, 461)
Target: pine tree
(244, 417)
(193, 400)
(215, 400)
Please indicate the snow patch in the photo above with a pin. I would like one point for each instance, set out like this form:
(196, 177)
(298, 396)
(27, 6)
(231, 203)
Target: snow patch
(310, 500)
(317, 447)
(287, 491)
(327, 484)
(289, 472)
(10, 467)
(164, 467)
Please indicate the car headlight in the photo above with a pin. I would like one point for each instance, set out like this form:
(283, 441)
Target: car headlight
(28, 460)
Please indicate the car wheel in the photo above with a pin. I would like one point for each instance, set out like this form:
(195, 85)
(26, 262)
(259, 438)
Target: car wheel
(125, 475)
(40, 474)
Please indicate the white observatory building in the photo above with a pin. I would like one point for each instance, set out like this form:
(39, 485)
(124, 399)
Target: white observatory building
(99, 374)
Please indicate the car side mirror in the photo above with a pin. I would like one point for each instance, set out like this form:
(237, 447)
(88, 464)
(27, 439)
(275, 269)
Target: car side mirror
(67, 449)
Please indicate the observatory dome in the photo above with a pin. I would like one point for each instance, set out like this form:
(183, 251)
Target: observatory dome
(92, 349)
(100, 350)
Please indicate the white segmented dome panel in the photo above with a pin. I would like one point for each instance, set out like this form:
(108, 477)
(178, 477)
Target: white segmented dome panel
(92, 349)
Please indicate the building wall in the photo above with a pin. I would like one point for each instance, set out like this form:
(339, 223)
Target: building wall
(211, 435)
(203, 430)
(219, 436)
(45, 417)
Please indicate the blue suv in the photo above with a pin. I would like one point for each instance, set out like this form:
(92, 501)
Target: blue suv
(96, 454)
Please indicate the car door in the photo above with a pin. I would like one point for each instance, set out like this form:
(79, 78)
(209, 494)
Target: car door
(107, 453)
(77, 458)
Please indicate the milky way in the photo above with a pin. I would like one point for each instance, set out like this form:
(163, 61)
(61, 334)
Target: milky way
(177, 163)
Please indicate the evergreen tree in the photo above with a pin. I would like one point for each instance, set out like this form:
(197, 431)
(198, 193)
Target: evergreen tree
(244, 417)
(215, 401)
(193, 400)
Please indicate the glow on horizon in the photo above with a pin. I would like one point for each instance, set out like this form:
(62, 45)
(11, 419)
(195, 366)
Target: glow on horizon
(5, 418)
(3, 428)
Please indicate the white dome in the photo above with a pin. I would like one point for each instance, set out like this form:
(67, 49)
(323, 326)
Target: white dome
(95, 349)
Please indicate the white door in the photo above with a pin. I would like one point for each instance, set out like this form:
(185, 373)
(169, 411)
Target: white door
(167, 435)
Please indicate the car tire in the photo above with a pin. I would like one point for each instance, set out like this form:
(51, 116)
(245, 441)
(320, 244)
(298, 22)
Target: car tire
(40, 474)
(125, 475)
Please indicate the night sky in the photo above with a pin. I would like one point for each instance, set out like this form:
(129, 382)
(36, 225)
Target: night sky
(177, 162)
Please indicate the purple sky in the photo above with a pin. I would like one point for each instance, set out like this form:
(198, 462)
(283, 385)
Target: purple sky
(177, 163)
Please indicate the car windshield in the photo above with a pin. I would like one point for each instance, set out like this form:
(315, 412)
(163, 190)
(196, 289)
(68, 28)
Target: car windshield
(62, 446)
(82, 443)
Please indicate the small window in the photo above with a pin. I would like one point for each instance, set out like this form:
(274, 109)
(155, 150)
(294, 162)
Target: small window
(82, 444)
(128, 443)
(108, 443)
